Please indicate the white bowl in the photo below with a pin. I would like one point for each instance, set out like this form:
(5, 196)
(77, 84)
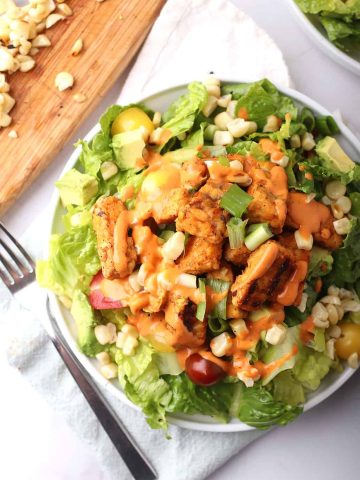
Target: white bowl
(314, 29)
(159, 102)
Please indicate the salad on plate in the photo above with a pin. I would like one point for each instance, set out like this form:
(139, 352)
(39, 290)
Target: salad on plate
(339, 18)
(210, 255)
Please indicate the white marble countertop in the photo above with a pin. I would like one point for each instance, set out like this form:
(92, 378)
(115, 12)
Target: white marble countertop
(322, 445)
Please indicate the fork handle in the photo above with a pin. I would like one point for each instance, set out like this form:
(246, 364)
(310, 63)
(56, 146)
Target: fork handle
(112, 425)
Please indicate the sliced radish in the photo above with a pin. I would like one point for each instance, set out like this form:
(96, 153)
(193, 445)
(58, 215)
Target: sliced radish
(96, 297)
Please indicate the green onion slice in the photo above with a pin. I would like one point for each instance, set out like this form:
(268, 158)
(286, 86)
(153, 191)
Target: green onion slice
(327, 125)
(236, 231)
(224, 161)
(260, 233)
(308, 119)
(217, 325)
(201, 308)
(219, 286)
(235, 201)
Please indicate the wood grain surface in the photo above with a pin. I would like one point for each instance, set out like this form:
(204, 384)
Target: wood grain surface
(45, 118)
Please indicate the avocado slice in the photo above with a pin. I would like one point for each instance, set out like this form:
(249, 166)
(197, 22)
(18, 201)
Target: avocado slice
(85, 321)
(76, 188)
(128, 148)
(181, 155)
(333, 156)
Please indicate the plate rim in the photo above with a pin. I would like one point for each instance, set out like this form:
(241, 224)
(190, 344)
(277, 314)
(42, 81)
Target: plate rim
(115, 391)
(335, 53)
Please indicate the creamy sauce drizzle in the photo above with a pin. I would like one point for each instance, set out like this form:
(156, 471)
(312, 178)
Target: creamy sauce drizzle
(290, 292)
(308, 217)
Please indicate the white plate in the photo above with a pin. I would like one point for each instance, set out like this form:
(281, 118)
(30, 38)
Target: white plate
(313, 27)
(159, 102)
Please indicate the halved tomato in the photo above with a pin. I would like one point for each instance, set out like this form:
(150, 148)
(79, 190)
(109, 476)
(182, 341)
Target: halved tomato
(97, 298)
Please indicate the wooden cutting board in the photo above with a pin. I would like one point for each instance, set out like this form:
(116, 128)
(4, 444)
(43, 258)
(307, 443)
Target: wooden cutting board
(45, 118)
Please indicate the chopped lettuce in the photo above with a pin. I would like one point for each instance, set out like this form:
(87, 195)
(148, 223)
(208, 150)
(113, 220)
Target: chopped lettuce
(346, 267)
(339, 18)
(260, 409)
(141, 381)
(181, 115)
(248, 147)
(190, 398)
(321, 262)
(311, 367)
(275, 352)
(261, 99)
(286, 389)
(73, 261)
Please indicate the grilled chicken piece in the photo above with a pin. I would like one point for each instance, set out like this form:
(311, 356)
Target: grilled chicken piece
(237, 256)
(262, 282)
(105, 214)
(180, 317)
(269, 191)
(202, 216)
(166, 210)
(326, 237)
(287, 240)
(225, 273)
(193, 173)
(200, 256)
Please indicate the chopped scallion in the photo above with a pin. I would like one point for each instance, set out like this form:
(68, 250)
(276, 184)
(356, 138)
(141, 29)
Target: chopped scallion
(166, 234)
(258, 236)
(219, 286)
(223, 161)
(214, 150)
(217, 325)
(236, 231)
(327, 125)
(235, 201)
(201, 308)
(308, 119)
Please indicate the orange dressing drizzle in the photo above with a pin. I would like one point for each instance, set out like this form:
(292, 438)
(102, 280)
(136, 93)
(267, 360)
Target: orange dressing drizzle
(290, 292)
(307, 216)
(307, 330)
(266, 369)
(268, 258)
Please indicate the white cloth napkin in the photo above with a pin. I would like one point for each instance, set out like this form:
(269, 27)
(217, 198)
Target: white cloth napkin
(188, 40)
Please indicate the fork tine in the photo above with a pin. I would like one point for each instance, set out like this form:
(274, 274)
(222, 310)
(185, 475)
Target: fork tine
(6, 279)
(24, 270)
(19, 247)
(10, 269)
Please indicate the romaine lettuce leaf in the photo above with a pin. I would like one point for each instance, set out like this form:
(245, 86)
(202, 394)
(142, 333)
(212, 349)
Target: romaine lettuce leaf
(286, 389)
(190, 398)
(346, 267)
(311, 367)
(141, 381)
(180, 116)
(321, 262)
(275, 352)
(259, 409)
(261, 99)
(73, 261)
(248, 147)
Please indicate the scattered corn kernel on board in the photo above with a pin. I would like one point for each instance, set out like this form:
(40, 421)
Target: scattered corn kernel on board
(44, 117)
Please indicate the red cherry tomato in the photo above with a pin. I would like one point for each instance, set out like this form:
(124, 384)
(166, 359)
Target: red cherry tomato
(96, 297)
(202, 371)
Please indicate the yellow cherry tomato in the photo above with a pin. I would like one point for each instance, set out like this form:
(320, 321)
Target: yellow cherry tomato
(349, 341)
(131, 119)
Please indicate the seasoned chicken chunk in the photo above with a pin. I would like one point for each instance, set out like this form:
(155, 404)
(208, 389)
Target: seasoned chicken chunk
(268, 269)
(105, 214)
(237, 256)
(180, 317)
(193, 173)
(315, 217)
(166, 210)
(288, 241)
(269, 191)
(200, 256)
(202, 215)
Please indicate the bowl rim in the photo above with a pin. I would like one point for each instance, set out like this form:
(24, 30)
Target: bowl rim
(323, 42)
(111, 387)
